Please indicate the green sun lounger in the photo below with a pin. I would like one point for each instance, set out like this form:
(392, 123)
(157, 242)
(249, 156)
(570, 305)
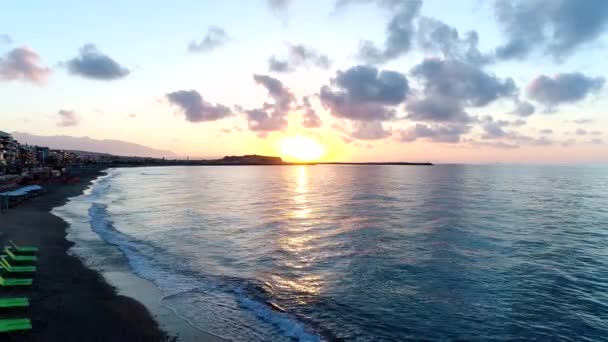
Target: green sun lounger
(15, 281)
(14, 302)
(15, 324)
(15, 269)
(15, 257)
(23, 249)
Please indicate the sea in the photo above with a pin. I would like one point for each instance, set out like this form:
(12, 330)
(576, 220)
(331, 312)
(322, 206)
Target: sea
(360, 253)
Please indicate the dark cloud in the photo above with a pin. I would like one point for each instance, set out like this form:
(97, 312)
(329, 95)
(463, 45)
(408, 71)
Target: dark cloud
(5, 39)
(22, 64)
(279, 4)
(563, 88)
(271, 116)
(364, 93)
(278, 65)
(191, 103)
(493, 130)
(400, 32)
(311, 118)
(581, 131)
(369, 130)
(93, 64)
(523, 108)
(215, 37)
(67, 118)
(450, 86)
(595, 133)
(299, 56)
(450, 133)
(435, 36)
(555, 27)
(546, 131)
(131, 116)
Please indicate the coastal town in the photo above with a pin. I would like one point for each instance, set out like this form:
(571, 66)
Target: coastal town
(17, 158)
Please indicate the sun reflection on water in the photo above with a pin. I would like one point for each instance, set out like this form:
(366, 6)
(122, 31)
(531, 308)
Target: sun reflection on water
(299, 243)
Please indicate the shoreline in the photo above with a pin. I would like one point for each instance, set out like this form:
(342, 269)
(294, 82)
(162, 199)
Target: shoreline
(69, 301)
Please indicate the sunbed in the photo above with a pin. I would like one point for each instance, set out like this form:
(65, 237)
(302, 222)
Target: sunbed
(15, 324)
(15, 269)
(23, 249)
(15, 281)
(15, 257)
(14, 302)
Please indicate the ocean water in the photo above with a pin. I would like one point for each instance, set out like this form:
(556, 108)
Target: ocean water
(360, 253)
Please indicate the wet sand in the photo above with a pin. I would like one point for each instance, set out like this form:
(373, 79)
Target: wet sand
(68, 302)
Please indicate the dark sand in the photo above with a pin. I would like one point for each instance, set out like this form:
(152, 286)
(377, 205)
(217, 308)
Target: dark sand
(68, 302)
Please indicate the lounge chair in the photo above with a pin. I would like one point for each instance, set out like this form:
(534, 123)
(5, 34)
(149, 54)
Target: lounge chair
(15, 269)
(14, 257)
(14, 302)
(15, 281)
(23, 249)
(15, 324)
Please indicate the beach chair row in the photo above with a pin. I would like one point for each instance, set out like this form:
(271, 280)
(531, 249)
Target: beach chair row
(15, 197)
(14, 264)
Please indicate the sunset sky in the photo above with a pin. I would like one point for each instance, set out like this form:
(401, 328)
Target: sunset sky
(363, 80)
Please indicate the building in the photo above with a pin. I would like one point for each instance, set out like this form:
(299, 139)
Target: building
(9, 152)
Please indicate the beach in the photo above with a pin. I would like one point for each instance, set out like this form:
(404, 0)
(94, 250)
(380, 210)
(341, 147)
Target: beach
(69, 302)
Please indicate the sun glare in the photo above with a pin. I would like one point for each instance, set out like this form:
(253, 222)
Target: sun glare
(301, 148)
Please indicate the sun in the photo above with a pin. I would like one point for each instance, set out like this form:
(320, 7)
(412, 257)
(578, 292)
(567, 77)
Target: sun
(301, 148)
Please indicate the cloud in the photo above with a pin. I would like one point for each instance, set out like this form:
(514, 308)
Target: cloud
(555, 27)
(435, 36)
(450, 86)
(91, 63)
(596, 141)
(370, 130)
(191, 103)
(299, 55)
(493, 130)
(215, 37)
(271, 116)
(131, 116)
(364, 93)
(581, 131)
(595, 133)
(563, 88)
(523, 108)
(311, 118)
(67, 118)
(5, 39)
(583, 121)
(546, 131)
(23, 64)
(279, 4)
(450, 133)
(493, 144)
(278, 65)
(400, 32)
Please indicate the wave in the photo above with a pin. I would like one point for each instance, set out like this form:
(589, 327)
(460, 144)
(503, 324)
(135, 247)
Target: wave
(187, 287)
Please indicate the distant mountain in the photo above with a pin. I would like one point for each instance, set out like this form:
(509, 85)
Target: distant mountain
(115, 147)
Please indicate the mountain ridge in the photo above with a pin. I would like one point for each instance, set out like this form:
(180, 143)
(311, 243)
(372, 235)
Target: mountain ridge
(108, 146)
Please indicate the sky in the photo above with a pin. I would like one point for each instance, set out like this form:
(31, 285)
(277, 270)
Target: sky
(519, 81)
